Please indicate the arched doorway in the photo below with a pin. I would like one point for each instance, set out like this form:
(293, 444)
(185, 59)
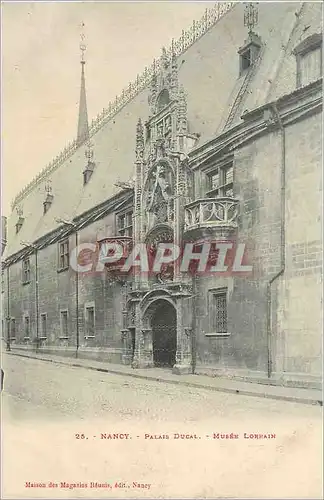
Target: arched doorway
(164, 333)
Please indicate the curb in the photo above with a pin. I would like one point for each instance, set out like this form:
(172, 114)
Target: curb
(293, 399)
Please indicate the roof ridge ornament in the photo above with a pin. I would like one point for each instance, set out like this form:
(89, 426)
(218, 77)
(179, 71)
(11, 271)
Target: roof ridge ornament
(83, 46)
(48, 186)
(251, 16)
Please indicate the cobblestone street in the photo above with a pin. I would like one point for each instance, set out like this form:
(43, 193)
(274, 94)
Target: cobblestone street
(169, 438)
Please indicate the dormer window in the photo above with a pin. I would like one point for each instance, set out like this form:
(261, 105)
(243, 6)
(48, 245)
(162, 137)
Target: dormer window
(249, 52)
(49, 197)
(46, 207)
(88, 171)
(48, 203)
(309, 60)
(19, 224)
(245, 60)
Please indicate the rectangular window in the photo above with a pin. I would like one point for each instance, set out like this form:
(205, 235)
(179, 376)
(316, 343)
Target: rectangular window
(64, 324)
(90, 322)
(309, 59)
(220, 181)
(218, 312)
(125, 224)
(214, 180)
(43, 322)
(26, 270)
(27, 327)
(63, 255)
(13, 329)
(310, 66)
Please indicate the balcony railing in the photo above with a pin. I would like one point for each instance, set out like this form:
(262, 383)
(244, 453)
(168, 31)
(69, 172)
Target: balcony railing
(206, 213)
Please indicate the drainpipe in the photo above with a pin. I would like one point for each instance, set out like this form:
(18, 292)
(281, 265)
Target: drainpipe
(282, 239)
(37, 299)
(8, 310)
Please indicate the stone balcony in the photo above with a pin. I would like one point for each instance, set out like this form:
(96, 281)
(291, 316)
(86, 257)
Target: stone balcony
(211, 217)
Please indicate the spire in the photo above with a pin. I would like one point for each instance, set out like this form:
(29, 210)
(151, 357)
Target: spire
(83, 126)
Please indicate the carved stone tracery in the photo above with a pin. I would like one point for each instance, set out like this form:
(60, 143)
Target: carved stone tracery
(163, 187)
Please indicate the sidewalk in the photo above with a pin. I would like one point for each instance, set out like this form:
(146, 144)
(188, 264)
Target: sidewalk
(304, 396)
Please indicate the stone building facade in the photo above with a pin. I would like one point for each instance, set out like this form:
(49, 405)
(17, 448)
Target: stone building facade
(220, 140)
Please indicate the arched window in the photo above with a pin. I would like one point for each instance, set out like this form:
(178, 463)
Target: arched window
(163, 100)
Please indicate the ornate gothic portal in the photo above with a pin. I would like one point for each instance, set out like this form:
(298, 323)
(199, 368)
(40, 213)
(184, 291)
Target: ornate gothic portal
(161, 300)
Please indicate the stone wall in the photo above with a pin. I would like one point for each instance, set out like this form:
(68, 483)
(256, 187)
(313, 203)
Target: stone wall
(280, 333)
(257, 174)
(57, 291)
(299, 346)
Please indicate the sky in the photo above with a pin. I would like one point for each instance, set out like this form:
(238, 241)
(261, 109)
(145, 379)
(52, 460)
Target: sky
(41, 70)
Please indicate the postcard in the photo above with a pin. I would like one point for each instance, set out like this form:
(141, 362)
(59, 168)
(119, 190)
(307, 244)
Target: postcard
(161, 299)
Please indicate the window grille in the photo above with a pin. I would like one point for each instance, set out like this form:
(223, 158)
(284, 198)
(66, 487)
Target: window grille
(219, 312)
